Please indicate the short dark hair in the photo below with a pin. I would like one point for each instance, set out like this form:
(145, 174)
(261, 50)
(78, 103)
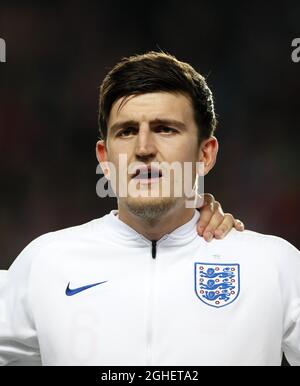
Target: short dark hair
(154, 72)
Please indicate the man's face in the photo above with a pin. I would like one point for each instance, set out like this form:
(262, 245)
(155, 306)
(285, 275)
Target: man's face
(153, 127)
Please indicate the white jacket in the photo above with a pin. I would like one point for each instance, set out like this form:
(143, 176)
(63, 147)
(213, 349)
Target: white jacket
(184, 301)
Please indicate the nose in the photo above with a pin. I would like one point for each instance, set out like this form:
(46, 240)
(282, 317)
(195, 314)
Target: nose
(145, 145)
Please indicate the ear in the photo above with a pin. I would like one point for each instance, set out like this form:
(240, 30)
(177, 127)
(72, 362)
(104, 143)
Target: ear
(208, 153)
(101, 154)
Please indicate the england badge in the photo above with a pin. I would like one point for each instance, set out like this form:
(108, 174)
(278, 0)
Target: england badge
(217, 285)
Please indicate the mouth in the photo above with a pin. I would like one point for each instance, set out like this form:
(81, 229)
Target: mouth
(146, 175)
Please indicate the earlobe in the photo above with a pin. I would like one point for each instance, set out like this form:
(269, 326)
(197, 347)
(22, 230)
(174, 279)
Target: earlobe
(209, 151)
(102, 157)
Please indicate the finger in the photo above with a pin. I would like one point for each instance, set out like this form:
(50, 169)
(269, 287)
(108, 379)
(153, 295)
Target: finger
(215, 221)
(239, 225)
(204, 199)
(208, 199)
(206, 213)
(225, 226)
(206, 206)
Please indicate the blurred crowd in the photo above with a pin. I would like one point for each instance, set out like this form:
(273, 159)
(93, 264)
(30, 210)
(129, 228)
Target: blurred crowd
(57, 56)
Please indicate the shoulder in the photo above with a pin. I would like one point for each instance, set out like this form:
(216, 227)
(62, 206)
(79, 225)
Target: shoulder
(248, 236)
(262, 244)
(66, 236)
(260, 239)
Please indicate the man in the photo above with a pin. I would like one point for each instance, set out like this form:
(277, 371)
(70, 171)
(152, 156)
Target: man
(138, 286)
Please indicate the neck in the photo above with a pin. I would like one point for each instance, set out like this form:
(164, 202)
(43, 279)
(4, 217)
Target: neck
(157, 228)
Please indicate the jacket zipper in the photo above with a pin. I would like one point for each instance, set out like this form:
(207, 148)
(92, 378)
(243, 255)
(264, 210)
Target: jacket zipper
(153, 249)
(150, 304)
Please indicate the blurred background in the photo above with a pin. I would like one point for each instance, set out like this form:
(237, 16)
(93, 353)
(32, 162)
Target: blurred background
(57, 56)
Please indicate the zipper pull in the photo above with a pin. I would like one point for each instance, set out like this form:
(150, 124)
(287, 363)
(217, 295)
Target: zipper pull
(153, 248)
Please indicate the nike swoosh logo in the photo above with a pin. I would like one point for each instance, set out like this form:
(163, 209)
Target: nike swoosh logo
(74, 291)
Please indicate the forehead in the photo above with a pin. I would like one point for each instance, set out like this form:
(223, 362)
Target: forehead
(151, 106)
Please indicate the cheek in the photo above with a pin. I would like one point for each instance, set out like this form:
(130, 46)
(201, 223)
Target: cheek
(181, 153)
(114, 152)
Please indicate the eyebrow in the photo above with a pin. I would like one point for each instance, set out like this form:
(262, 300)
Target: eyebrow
(154, 122)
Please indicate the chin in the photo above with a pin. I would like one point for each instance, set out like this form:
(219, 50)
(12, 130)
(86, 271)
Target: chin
(150, 208)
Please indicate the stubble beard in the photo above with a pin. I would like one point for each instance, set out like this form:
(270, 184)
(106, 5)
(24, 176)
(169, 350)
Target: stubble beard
(151, 210)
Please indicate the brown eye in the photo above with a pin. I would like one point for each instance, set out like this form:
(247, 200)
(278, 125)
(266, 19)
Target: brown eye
(166, 129)
(126, 132)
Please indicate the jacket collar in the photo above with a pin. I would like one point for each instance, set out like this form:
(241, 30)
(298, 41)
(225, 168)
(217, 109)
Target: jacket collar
(120, 231)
